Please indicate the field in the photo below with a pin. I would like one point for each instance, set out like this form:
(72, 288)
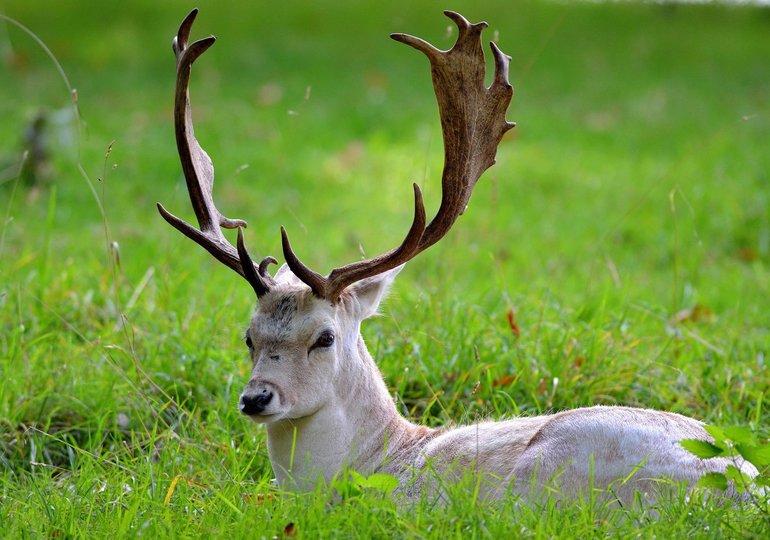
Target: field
(617, 253)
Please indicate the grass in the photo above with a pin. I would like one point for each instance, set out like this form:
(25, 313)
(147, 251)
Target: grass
(625, 229)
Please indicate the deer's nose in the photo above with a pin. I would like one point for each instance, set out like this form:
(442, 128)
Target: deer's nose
(255, 403)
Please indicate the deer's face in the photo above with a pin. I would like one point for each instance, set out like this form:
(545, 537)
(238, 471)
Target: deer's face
(302, 347)
(293, 341)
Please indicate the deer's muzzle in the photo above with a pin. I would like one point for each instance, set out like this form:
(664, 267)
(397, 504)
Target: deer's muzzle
(255, 403)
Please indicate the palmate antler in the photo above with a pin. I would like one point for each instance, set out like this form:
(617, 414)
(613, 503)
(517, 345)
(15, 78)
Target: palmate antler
(473, 123)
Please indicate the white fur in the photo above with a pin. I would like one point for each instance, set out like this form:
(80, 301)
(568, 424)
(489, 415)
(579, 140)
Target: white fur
(332, 409)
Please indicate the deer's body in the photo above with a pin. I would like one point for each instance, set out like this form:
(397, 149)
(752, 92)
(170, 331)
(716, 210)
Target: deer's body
(317, 388)
(352, 420)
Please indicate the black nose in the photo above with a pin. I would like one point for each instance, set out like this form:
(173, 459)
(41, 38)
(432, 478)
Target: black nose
(255, 403)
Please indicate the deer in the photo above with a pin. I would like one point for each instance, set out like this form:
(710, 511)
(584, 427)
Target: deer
(321, 395)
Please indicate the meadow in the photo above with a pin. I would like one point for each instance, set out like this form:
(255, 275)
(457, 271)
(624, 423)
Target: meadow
(617, 253)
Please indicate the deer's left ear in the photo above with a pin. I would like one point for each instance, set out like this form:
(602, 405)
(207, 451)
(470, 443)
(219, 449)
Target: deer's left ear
(369, 292)
(285, 275)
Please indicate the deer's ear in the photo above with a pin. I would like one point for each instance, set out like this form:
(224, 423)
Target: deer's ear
(285, 275)
(369, 292)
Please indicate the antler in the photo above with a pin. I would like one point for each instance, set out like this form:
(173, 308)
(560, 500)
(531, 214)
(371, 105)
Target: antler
(199, 174)
(473, 123)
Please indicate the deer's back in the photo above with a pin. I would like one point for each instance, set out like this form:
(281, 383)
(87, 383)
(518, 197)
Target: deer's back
(573, 450)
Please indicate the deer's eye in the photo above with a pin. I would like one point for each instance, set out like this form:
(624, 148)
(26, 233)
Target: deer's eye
(324, 340)
(249, 343)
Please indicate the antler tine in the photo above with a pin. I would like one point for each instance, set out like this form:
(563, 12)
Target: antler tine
(199, 174)
(332, 286)
(473, 124)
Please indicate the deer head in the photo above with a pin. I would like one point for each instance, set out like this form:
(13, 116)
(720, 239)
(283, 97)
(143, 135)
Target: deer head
(305, 331)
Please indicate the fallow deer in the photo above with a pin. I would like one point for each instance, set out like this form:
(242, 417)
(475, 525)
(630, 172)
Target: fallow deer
(319, 392)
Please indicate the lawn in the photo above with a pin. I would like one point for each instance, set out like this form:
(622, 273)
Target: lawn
(617, 253)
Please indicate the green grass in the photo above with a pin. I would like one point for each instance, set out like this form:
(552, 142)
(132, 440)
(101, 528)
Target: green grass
(626, 225)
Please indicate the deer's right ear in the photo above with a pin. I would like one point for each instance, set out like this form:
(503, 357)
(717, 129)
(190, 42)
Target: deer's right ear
(369, 292)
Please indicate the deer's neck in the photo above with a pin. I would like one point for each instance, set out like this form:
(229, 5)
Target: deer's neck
(359, 427)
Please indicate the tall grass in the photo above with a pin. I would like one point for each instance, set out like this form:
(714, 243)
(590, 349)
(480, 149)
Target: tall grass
(624, 234)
